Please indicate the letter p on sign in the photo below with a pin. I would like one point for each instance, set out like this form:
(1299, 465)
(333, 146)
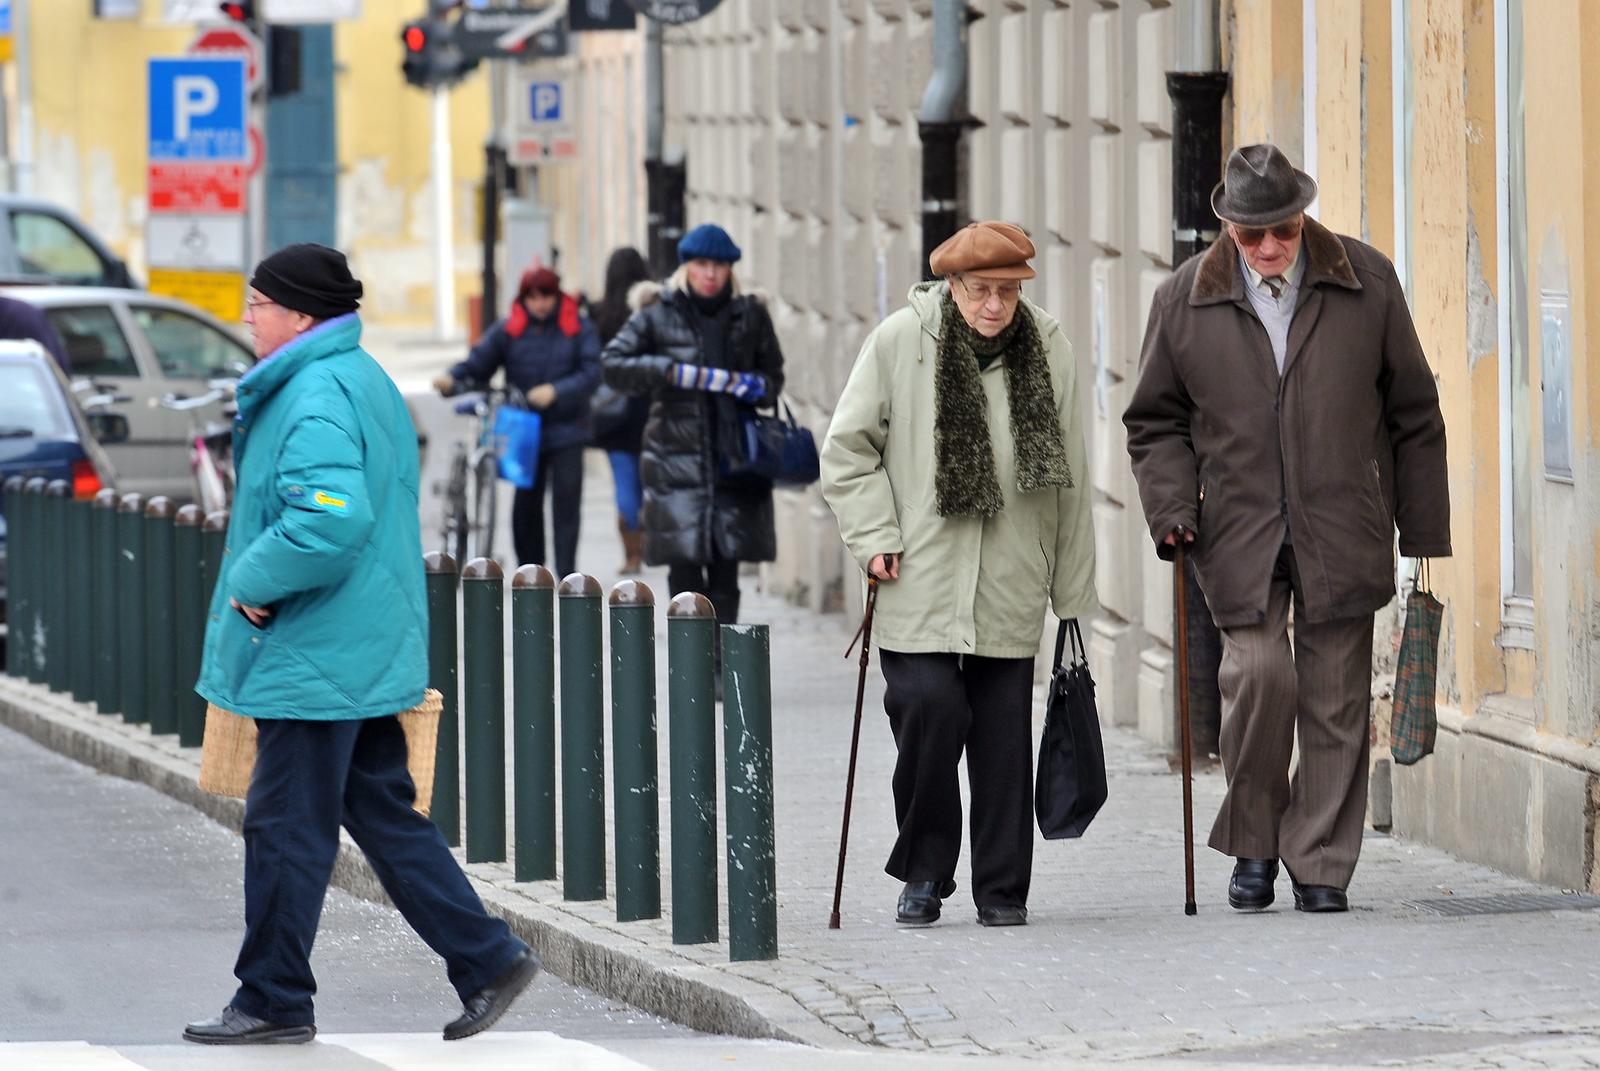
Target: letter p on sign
(546, 102)
(193, 96)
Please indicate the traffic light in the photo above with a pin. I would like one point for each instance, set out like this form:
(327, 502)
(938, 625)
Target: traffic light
(431, 57)
(239, 10)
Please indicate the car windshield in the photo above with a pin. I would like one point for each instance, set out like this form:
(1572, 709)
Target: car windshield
(31, 403)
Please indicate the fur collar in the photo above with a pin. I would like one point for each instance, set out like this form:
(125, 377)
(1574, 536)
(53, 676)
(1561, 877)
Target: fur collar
(649, 292)
(1220, 279)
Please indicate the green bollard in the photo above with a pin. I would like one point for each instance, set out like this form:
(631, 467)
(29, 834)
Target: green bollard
(213, 544)
(103, 631)
(80, 593)
(31, 538)
(130, 608)
(692, 740)
(444, 678)
(160, 651)
(58, 609)
(747, 769)
(533, 722)
(14, 508)
(188, 624)
(633, 751)
(483, 607)
(583, 756)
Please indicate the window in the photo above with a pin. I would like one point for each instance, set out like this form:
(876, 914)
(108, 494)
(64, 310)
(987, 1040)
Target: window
(187, 348)
(95, 343)
(47, 245)
(31, 404)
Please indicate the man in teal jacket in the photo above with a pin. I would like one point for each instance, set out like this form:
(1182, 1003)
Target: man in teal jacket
(318, 630)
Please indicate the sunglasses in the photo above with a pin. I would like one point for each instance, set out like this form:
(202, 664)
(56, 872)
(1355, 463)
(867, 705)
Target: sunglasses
(1254, 236)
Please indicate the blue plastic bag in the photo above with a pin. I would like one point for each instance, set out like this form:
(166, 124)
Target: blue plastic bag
(516, 445)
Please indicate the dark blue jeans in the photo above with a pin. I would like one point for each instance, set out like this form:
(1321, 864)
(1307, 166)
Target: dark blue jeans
(311, 777)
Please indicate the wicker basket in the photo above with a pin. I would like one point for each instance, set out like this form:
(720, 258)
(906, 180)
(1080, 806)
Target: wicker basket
(228, 754)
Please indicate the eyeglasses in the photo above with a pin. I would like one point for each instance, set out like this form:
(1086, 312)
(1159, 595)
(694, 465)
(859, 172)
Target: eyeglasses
(254, 305)
(982, 292)
(1283, 232)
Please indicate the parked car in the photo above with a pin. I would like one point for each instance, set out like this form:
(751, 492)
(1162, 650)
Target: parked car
(45, 432)
(44, 243)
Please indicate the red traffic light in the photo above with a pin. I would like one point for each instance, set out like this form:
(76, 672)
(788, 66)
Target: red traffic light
(416, 38)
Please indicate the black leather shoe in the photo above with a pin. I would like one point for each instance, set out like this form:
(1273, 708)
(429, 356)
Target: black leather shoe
(234, 1027)
(485, 1007)
(1251, 887)
(1318, 898)
(1003, 915)
(920, 902)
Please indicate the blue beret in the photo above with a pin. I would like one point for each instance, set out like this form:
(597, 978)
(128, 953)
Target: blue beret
(710, 242)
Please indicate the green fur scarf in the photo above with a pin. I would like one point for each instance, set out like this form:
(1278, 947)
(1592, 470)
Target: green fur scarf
(965, 481)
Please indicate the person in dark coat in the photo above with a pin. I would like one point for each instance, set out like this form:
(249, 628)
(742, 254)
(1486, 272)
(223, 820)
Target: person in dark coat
(20, 320)
(551, 353)
(701, 351)
(619, 418)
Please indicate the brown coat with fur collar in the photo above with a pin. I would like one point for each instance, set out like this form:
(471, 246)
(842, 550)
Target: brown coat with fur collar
(1347, 444)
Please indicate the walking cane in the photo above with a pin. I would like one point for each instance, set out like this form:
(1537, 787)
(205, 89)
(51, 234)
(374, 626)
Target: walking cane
(864, 633)
(1183, 722)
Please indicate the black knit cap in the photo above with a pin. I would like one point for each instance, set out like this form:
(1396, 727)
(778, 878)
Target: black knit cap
(309, 278)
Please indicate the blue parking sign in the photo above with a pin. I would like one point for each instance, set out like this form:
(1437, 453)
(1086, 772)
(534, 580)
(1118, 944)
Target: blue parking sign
(544, 102)
(198, 109)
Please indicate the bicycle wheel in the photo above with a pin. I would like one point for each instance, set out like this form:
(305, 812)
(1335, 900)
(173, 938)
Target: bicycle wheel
(454, 523)
(483, 510)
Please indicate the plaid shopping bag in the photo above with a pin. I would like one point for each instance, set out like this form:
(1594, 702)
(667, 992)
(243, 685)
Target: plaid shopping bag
(1415, 722)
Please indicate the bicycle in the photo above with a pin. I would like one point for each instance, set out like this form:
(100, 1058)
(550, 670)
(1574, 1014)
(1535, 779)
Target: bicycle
(210, 444)
(469, 533)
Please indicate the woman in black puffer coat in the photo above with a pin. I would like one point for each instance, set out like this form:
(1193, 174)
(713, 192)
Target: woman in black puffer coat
(701, 351)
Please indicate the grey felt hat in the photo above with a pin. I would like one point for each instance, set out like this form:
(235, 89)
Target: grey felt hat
(1261, 187)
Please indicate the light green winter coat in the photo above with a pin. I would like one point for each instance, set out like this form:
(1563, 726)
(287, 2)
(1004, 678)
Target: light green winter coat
(968, 584)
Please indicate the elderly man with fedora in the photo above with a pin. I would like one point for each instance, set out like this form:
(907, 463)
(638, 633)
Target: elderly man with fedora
(955, 466)
(1283, 425)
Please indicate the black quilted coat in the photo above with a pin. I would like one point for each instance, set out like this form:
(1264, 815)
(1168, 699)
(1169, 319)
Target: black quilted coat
(687, 516)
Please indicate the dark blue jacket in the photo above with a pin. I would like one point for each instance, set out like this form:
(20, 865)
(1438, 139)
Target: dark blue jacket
(563, 351)
(18, 319)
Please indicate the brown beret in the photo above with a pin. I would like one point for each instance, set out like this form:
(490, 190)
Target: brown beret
(989, 248)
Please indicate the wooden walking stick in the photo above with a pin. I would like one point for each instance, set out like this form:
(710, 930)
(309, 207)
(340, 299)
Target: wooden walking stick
(1183, 723)
(864, 634)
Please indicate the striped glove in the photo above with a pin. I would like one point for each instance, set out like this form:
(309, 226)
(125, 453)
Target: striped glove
(746, 386)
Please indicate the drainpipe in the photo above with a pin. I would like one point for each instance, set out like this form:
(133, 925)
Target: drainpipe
(22, 35)
(939, 125)
(1196, 89)
(665, 180)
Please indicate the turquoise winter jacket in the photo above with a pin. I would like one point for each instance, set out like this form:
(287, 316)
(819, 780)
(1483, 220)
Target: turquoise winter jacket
(325, 534)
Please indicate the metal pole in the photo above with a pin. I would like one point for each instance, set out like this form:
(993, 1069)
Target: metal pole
(654, 136)
(188, 624)
(213, 541)
(444, 250)
(443, 676)
(939, 125)
(15, 553)
(483, 606)
(22, 35)
(80, 592)
(747, 766)
(160, 651)
(583, 771)
(58, 608)
(130, 607)
(633, 751)
(107, 695)
(493, 172)
(533, 682)
(692, 742)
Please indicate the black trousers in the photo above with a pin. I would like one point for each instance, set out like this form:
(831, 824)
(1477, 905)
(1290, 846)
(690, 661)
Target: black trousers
(717, 581)
(940, 705)
(311, 777)
(561, 472)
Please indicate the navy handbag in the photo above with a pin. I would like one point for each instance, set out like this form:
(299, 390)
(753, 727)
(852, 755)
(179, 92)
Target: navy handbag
(773, 450)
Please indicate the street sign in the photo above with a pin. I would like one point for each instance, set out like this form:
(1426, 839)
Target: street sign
(309, 12)
(233, 41)
(7, 42)
(197, 188)
(542, 127)
(584, 15)
(476, 34)
(205, 242)
(221, 293)
(675, 11)
(197, 110)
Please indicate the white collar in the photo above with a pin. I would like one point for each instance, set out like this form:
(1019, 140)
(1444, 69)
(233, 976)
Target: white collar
(1291, 277)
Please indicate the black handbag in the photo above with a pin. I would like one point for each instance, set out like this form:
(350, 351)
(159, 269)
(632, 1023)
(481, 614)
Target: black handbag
(1070, 787)
(775, 450)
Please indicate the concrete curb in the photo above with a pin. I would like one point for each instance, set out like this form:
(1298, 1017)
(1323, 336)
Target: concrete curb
(578, 943)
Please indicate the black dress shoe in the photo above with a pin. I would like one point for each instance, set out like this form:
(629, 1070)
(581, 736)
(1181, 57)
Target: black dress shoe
(1003, 915)
(920, 902)
(1251, 887)
(234, 1027)
(485, 1007)
(1318, 898)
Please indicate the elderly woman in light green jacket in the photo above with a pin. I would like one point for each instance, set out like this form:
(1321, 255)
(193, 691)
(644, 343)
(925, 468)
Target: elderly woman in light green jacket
(955, 466)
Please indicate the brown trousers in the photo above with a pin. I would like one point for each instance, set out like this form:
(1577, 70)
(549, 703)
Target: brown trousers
(1321, 686)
